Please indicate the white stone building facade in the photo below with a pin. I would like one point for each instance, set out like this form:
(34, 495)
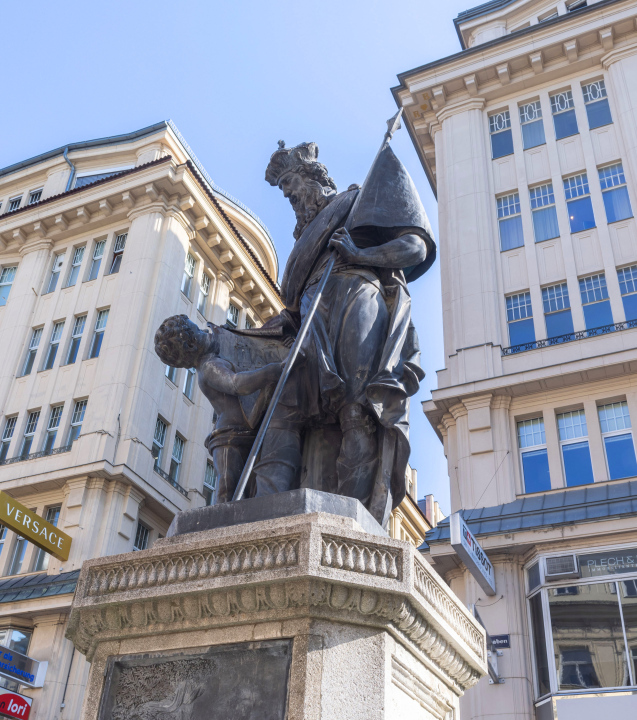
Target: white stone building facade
(99, 242)
(528, 136)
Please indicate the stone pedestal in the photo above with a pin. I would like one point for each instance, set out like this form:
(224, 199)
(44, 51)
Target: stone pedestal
(302, 617)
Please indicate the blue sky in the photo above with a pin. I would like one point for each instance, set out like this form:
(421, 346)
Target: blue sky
(236, 77)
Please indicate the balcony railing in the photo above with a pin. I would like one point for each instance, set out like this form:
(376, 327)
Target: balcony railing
(35, 455)
(570, 337)
(168, 479)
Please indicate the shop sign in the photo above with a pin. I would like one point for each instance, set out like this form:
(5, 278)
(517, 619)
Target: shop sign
(21, 668)
(14, 705)
(500, 642)
(614, 562)
(37, 530)
(473, 556)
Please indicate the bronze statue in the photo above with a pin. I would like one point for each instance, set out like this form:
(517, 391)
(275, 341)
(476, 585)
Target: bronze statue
(339, 420)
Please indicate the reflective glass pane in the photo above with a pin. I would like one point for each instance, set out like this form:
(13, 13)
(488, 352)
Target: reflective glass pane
(535, 466)
(598, 314)
(539, 644)
(588, 640)
(565, 124)
(630, 306)
(617, 204)
(580, 214)
(533, 134)
(559, 323)
(577, 463)
(620, 453)
(511, 235)
(628, 595)
(521, 332)
(599, 114)
(545, 224)
(501, 144)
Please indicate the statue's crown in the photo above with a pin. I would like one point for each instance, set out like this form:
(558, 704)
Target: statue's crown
(285, 159)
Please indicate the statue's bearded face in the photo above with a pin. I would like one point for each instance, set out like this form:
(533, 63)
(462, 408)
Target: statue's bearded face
(307, 197)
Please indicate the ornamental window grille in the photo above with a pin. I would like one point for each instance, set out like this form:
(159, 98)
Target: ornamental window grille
(532, 125)
(564, 119)
(501, 136)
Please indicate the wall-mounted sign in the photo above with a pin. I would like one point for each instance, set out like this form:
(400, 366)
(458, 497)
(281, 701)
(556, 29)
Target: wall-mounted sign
(473, 556)
(34, 528)
(613, 562)
(500, 642)
(23, 669)
(14, 705)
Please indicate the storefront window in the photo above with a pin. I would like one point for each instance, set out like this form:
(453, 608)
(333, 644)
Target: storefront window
(17, 640)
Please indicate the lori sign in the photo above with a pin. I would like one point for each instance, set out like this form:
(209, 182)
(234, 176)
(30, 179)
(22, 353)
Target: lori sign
(37, 530)
(14, 705)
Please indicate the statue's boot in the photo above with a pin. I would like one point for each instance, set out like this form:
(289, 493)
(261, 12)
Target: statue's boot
(357, 462)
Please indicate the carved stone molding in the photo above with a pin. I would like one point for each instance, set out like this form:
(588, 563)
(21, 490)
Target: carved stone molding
(359, 558)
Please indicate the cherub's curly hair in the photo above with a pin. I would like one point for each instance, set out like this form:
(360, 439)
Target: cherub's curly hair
(178, 342)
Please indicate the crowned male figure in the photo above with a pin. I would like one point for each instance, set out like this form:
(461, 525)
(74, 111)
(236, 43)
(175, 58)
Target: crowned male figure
(348, 402)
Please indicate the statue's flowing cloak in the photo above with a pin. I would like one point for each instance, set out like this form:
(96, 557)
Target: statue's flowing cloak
(387, 208)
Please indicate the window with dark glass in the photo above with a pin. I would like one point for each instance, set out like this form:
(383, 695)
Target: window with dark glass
(532, 125)
(576, 454)
(595, 301)
(58, 261)
(32, 351)
(563, 109)
(76, 420)
(7, 436)
(98, 333)
(576, 5)
(614, 421)
(596, 102)
(249, 323)
(578, 203)
(7, 277)
(501, 137)
(520, 319)
(628, 285)
(17, 640)
(52, 428)
(509, 222)
(544, 214)
(189, 383)
(54, 344)
(141, 537)
(533, 455)
(42, 558)
(539, 645)
(29, 432)
(76, 264)
(557, 310)
(76, 339)
(171, 373)
(89, 179)
(118, 253)
(615, 193)
(98, 254)
(159, 439)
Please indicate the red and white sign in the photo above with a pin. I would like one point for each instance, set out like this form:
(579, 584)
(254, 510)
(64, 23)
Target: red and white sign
(14, 705)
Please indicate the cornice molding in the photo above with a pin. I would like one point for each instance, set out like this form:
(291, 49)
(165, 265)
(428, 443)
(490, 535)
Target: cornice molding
(619, 53)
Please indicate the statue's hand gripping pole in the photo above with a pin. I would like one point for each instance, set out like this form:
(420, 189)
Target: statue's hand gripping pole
(392, 125)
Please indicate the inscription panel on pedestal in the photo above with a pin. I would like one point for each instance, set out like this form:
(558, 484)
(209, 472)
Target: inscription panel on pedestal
(243, 681)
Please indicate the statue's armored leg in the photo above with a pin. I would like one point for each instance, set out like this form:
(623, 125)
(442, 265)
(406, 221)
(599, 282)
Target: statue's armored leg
(358, 460)
(228, 462)
(279, 466)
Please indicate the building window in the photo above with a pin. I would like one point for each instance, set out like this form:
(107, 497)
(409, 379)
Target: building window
(32, 351)
(520, 319)
(209, 483)
(204, 289)
(158, 441)
(171, 373)
(614, 421)
(34, 196)
(6, 280)
(54, 344)
(597, 107)
(557, 310)
(76, 264)
(52, 428)
(189, 273)
(576, 455)
(42, 558)
(615, 193)
(595, 301)
(532, 125)
(118, 253)
(98, 334)
(98, 254)
(177, 457)
(90, 179)
(14, 203)
(563, 110)
(19, 549)
(3, 537)
(249, 323)
(533, 455)
(545, 225)
(189, 383)
(501, 137)
(510, 222)
(76, 339)
(29, 432)
(141, 537)
(578, 202)
(76, 420)
(232, 318)
(58, 261)
(628, 286)
(7, 435)
(576, 5)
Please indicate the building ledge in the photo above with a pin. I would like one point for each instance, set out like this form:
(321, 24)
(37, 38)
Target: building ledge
(168, 479)
(37, 585)
(36, 455)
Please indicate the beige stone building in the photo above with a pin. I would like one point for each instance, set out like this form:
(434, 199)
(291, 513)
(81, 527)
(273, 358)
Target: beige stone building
(99, 242)
(528, 138)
